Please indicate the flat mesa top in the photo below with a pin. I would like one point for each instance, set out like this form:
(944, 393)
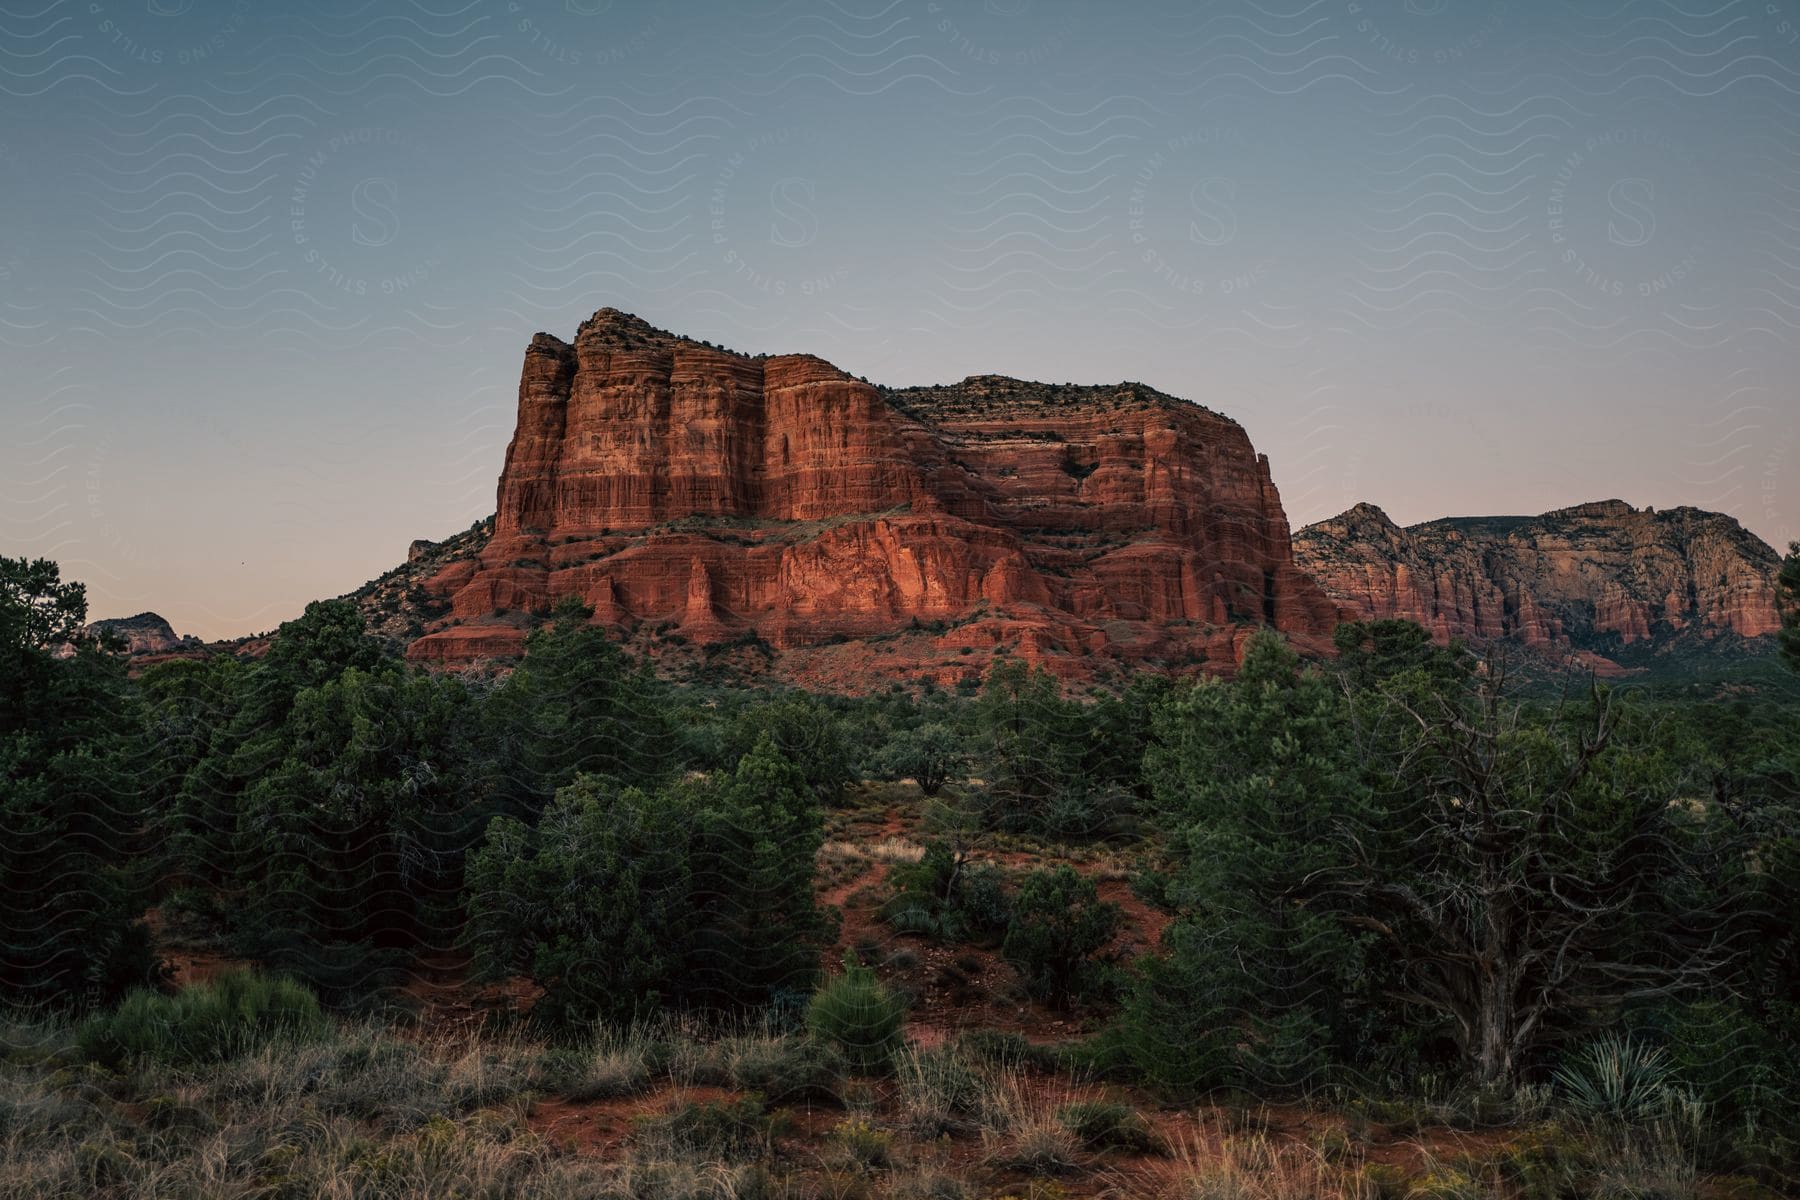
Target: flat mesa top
(979, 395)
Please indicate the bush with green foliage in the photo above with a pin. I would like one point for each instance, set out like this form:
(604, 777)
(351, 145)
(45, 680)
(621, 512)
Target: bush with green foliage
(861, 1017)
(1740, 1064)
(931, 755)
(1054, 767)
(1059, 928)
(576, 705)
(807, 733)
(947, 896)
(1361, 855)
(594, 905)
(1249, 777)
(699, 895)
(758, 930)
(233, 1014)
(1026, 744)
(237, 721)
(1370, 653)
(352, 844)
(74, 847)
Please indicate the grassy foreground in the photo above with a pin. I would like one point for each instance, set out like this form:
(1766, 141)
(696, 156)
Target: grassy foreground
(299, 1107)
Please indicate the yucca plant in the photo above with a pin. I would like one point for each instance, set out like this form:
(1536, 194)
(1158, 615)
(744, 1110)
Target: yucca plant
(1618, 1079)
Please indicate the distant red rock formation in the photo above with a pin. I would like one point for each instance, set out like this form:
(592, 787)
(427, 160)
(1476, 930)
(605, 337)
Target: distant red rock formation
(716, 496)
(146, 633)
(1596, 576)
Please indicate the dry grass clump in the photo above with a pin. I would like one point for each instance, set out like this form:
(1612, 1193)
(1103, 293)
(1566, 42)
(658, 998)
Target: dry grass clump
(730, 1131)
(896, 850)
(835, 855)
(1023, 1131)
(786, 1068)
(1252, 1168)
(940, 1092)
(948, 1092)
(616, 1062)
(619, 1061)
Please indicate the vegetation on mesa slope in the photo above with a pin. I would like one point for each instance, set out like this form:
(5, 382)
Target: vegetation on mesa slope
(981, 396)
(1392, 892)
(396, 604)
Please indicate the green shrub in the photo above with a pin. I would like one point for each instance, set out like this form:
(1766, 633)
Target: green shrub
(208, 1022)
(931, 755)
(1108, 1125)
(982, 900)
(948, 898)
(917, 914)
(1739, 1064)
(862, 1144)
(788, 1070)
(621, 901)
(1060, 925)
(806, 732)
(1383, 1181)
(858, 1015)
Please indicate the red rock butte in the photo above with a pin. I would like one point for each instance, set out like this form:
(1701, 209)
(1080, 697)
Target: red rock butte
(1602, 576)
(687, 489)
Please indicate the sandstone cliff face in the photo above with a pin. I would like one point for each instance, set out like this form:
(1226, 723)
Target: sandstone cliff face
(146, 633)
(1596, 577)
(710, 497)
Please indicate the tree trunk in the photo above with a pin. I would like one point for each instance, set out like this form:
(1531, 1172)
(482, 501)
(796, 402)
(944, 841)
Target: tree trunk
(1494, 1019)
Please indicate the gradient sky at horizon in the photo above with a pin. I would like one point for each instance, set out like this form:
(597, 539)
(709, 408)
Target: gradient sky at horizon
(267, 272)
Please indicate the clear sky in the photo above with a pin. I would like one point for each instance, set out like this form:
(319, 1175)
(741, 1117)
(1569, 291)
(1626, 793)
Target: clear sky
(267, 271)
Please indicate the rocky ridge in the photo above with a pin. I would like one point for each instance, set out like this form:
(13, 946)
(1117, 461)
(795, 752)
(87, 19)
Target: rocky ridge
(147, 633)
(1603, 580)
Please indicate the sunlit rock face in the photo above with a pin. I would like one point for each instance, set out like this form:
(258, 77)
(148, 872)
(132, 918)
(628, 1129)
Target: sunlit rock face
(715, 496)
